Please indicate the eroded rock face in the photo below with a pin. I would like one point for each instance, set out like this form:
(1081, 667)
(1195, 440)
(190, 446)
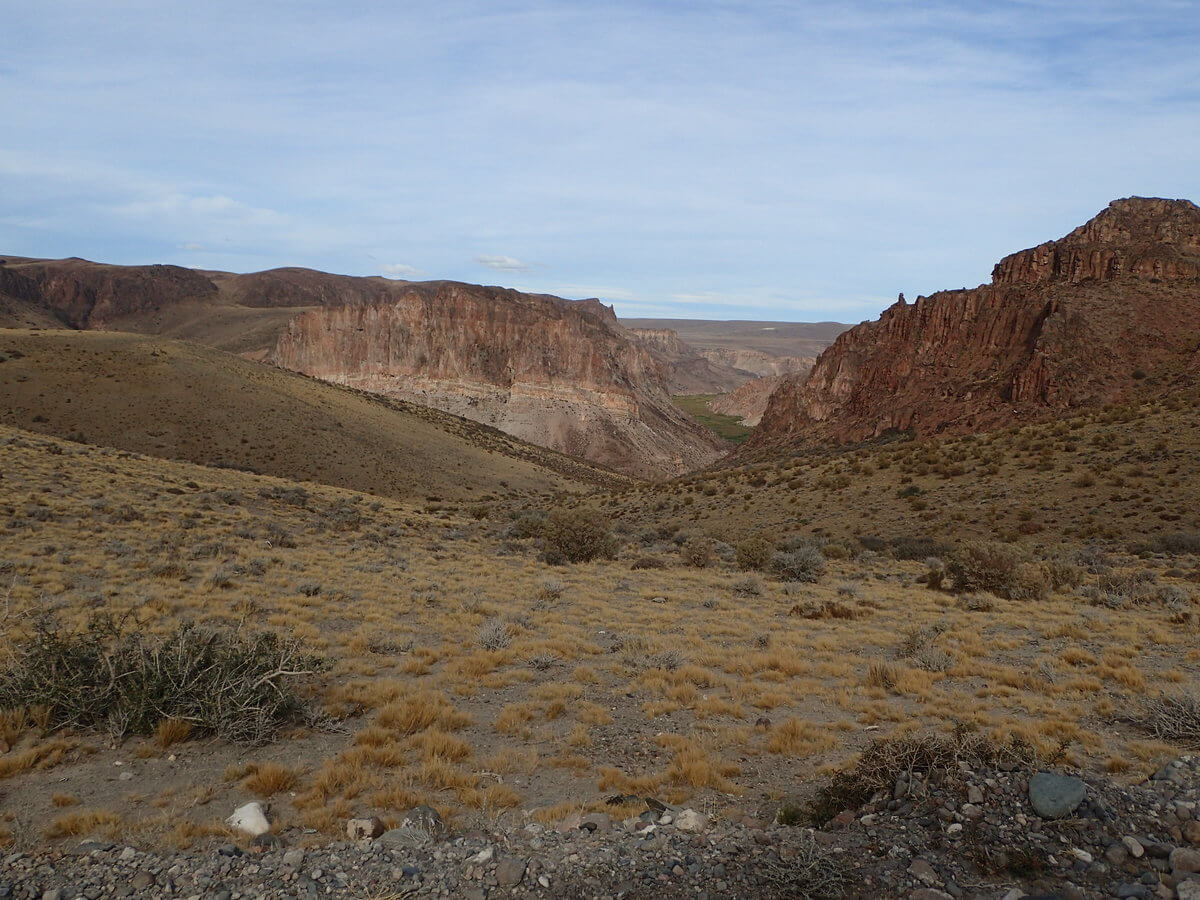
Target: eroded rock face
(558, 373)
(1090, 319)
(756, 362)
(689, 371)
(749, 401)
(82, 294)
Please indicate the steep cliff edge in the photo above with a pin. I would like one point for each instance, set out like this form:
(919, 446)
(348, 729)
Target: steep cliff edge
(688, 369)
(554, 372)
(1108, 312)
(749, 401)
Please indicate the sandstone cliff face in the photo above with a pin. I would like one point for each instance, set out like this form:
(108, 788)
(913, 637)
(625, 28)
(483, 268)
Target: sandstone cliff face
(1068, 324)
(560, 374)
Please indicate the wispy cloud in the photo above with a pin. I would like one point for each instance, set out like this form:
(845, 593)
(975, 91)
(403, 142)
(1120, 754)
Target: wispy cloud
(502, 263)
(400, 270)
(848, 150)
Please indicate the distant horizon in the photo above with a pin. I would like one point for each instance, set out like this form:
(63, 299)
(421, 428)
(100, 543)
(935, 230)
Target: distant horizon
(761, 161)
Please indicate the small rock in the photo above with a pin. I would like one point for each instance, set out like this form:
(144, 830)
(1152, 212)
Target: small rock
(483, 856)
(1188, 890)
(1136, 850)
(923, 872)
(1117, 854)
(569, 824)
(596, 822)
(265, 842)
(690, 820)
(294, 858)
(510, 871)
(249, 819)
(141, 880)
(1191, 831)
(1054, 796)
(1132, 890)
(427, 819)
(1184, 861)
(364, 829)
(972, 811)
(974, 795)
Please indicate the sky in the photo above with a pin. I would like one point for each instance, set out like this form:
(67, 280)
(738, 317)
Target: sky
(794, 161)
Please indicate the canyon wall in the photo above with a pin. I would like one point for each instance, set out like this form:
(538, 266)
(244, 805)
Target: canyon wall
(558, 373)
(1109, 312)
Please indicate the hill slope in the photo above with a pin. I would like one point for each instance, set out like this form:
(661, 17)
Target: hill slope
(177, 400)
(1109, 313)
(560, 373)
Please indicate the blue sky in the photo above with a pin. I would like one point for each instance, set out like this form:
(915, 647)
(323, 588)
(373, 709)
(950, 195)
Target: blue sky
(760, 160)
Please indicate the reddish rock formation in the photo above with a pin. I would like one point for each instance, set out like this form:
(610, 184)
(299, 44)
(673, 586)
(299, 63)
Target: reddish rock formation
(83, 294)
(689, 371)
(756, 362)
(1110, 310)
(558, 373)
(749, 401)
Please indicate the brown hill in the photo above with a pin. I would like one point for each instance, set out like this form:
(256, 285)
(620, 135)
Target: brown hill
(749, 401)
(184, 401)
(1109, 313)
(689, 371)
(559, 373)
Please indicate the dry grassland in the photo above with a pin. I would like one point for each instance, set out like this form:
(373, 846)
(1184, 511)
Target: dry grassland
(466, 674)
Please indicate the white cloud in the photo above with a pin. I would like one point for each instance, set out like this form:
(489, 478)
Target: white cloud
(502, 263)
(400, 270)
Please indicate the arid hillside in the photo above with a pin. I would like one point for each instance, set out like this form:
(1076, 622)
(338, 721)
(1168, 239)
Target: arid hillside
(562, 374)
(183, 401)
(1109, 313)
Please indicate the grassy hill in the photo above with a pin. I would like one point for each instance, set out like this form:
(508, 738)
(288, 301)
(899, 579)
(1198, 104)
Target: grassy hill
(183, 401)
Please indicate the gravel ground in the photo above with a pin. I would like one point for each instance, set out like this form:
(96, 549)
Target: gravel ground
(950, 834)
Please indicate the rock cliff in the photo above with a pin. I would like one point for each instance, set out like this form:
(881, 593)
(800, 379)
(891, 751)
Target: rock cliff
(689, 371)
(756, 362)
(1110, 311)
(749, 401)
(558, 373)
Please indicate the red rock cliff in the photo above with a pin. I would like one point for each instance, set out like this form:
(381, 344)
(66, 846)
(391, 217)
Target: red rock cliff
(1093, 318)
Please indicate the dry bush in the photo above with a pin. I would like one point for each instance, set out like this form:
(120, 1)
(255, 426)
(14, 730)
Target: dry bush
(578, 535)
(795, 737)
(493, 635)
(172, 731)
(804, 563)
(753, 553)
(884, 759)
(108, 676)
(697, 552)
(1002, 569)
(1172, 717)
(83, 822)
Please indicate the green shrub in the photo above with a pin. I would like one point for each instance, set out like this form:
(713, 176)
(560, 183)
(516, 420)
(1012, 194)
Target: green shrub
(110, 676)
(753, 553)
(578, 535)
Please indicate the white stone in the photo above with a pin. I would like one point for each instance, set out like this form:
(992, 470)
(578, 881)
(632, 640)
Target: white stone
(1188, 890)
(249, 819)
(690, 820)
(1134, 846)
(483, 856)
(1082, 855)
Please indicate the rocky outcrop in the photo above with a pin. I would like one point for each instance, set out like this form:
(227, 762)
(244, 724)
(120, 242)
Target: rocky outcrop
(1111, 310)
(689, 371)
(756, 362)
(558, 373)
(749, 401)
(83, 294)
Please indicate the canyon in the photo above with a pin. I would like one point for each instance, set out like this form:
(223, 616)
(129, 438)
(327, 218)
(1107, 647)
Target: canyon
(1109, 313)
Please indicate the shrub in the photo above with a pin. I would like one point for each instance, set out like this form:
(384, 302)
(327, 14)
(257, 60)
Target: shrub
(578, 535)
(907, 547)
(493, 635)
(805, 563)
(1179, 542)
(526, 525)
(999, 568)
(753, 553)
(1173, 717)
(698, 552)
(104, 675)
